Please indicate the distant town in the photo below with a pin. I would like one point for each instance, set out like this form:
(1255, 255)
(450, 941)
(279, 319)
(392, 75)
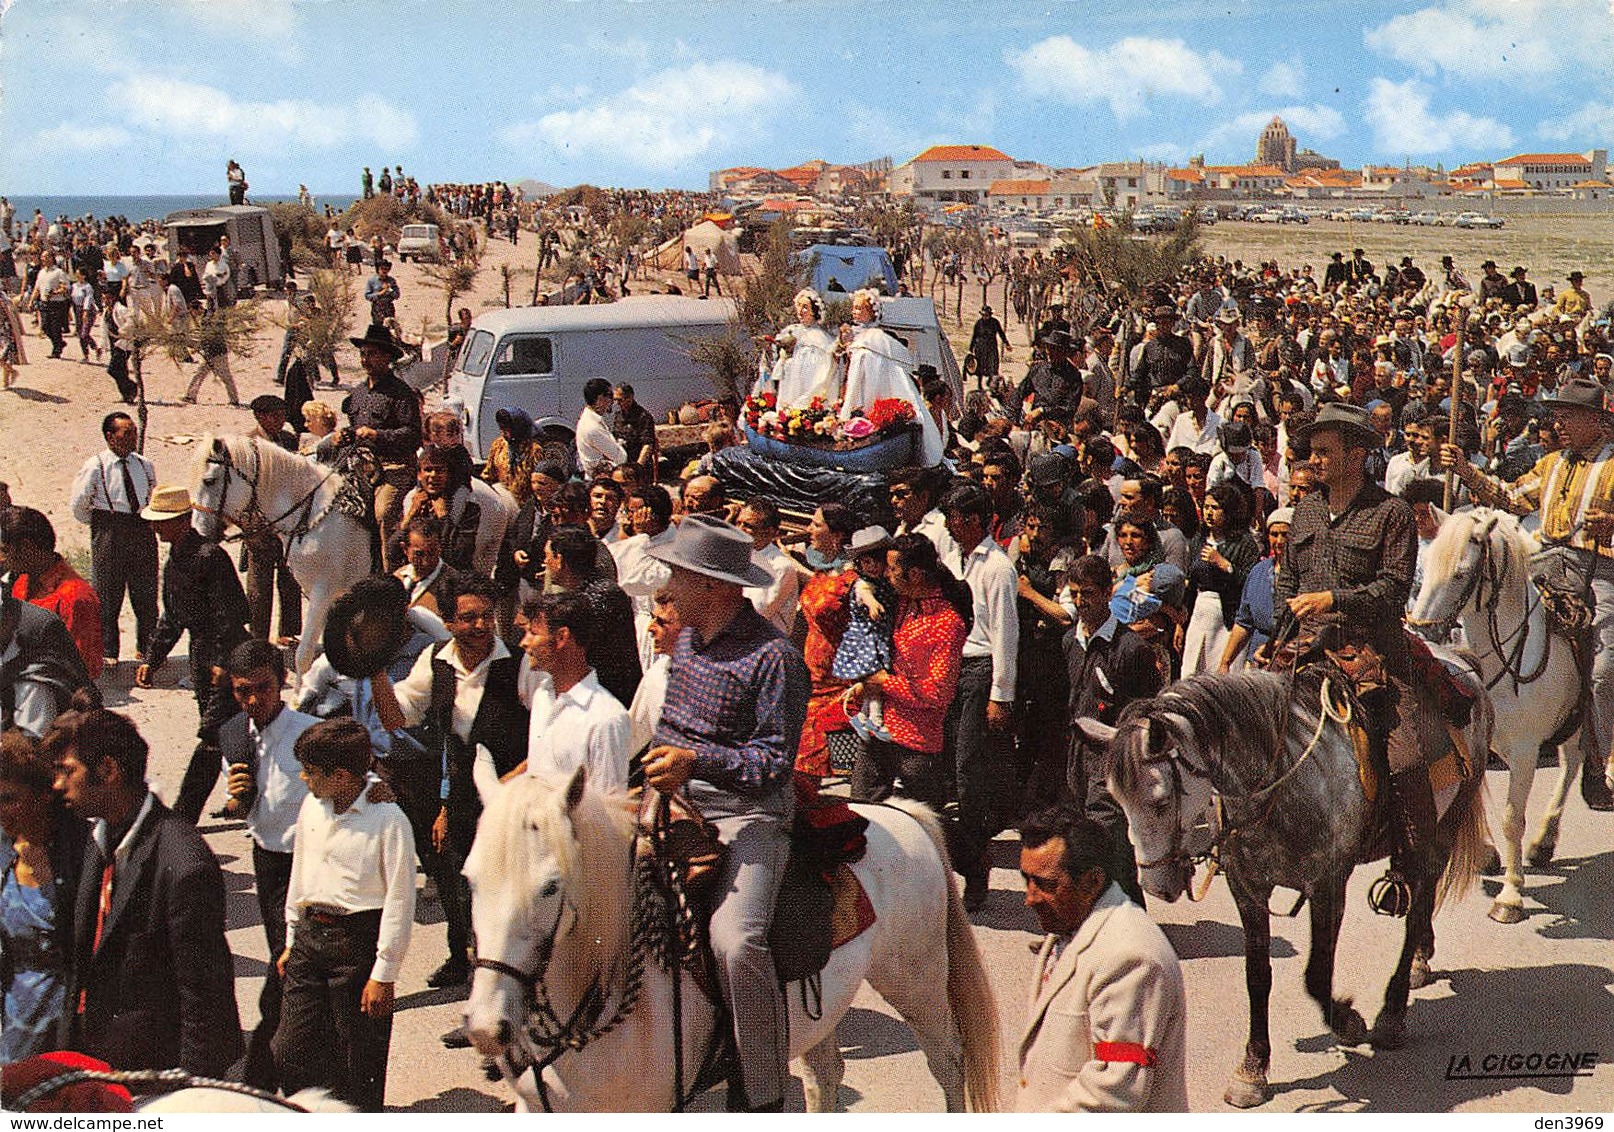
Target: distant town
(983, 177)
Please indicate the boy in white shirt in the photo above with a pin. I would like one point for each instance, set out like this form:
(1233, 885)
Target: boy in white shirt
(349, 910)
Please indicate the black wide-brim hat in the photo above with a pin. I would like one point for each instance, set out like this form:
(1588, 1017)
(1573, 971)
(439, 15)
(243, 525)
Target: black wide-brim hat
(381, 596)
(1352, 422)
(378, 335)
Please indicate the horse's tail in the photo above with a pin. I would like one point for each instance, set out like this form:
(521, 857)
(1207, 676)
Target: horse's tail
(1470, 842)
(969, 993)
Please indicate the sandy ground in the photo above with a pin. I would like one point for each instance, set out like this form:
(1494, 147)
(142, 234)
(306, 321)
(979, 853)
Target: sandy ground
(1543, 985)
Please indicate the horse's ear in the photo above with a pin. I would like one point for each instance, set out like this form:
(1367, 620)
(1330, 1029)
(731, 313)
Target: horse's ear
(574, 788)
(1096, 733)
(218, 446)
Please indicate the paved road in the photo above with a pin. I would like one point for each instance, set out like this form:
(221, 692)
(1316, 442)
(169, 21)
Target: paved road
(1544, 985)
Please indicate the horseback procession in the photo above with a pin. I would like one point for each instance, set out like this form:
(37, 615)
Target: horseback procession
(689, 756)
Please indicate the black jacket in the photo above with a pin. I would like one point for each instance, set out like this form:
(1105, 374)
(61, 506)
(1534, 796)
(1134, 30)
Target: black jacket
(202, 596)
(160, 988)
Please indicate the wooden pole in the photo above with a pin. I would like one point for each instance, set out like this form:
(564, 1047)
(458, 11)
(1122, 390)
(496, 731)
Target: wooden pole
(1451, 423)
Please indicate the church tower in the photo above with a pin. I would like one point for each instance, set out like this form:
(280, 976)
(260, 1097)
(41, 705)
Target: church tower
(1276, 146)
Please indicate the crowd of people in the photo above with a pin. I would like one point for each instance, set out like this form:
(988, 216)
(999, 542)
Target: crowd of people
(1174, 488)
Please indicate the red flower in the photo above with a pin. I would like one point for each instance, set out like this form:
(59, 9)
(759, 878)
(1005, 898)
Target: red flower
(889, 412)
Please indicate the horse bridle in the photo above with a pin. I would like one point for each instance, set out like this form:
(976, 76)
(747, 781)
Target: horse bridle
(1509, 653)
(244, 520)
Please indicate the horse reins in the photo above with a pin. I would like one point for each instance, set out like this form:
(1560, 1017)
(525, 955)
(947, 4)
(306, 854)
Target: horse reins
(305, 523)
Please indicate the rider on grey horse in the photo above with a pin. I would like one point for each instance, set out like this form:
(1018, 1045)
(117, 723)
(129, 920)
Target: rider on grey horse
(1346, 574)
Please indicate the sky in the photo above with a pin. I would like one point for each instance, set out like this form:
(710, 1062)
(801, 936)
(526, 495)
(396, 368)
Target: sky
(154, 96)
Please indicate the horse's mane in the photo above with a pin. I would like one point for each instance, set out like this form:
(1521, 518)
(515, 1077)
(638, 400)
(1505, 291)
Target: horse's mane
(1209, 712)
(590, 845)
(276, 466)
(1457, 529)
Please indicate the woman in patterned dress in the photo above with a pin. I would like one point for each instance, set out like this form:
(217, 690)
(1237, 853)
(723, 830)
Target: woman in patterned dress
(823, 608)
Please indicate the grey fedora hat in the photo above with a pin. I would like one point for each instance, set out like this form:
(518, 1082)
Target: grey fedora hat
(714, 549)
(1351, 421)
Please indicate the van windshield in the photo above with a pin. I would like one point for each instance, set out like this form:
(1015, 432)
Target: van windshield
(475, 353)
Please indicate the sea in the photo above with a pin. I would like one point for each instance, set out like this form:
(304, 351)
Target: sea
(138, 208)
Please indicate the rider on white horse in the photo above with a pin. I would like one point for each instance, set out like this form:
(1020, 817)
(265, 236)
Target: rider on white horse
(1574, 490)
(1346, 575)
(736, 700)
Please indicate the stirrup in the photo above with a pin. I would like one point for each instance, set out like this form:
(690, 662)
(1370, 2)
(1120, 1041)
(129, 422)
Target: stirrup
(1390, 895)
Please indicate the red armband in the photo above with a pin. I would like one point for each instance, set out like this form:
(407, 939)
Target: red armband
(1132, 1052)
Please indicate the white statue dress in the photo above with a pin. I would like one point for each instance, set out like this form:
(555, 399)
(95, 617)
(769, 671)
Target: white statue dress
(879, 366)
(808, 370)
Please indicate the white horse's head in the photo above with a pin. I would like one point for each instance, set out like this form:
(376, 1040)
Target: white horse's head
(1166, 792)
(553, 899)
(1475, 550)
(215, 468)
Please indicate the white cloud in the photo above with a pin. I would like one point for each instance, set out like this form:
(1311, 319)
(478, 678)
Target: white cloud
(1592, 123)
(1403, 123)
(1499, 40)
(1126, 74)
(74, 136)
(270, 20)
(1309, 124)
(1169, 152)
(190, 110)
(667, 118)
(1283, 80)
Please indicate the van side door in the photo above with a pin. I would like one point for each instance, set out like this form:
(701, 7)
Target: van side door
(524, 375)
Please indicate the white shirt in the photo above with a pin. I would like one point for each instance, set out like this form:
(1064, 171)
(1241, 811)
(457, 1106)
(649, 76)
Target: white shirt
(597, 449)
(996, 632)
(934, 527)
(414, 692)
(417, 586)
(99, 485)
(647, 702)
(582, 726)
(281, 790)
(356, 861)
(1186, 432)
(777, 600)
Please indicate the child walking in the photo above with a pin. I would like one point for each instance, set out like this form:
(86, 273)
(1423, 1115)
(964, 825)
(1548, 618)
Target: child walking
(865, 647)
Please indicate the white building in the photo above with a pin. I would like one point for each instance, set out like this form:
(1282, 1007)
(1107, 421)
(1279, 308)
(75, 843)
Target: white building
(952, 173)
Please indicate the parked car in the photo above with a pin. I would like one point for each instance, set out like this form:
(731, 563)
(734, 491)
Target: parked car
(1477, 220)
(423, 241)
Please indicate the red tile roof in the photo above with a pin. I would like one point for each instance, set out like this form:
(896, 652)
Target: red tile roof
(962, 153)
(1545, 159)
(1018, 188)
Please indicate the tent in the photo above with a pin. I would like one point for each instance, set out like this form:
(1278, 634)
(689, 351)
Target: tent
(850, 267)
(670, 256)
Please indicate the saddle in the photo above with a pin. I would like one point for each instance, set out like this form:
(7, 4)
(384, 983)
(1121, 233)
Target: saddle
(821, 903)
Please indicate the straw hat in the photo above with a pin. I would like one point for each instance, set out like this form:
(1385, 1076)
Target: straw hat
(167, 502)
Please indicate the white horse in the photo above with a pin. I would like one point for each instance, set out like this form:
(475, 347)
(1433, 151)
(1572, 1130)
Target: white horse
(1477, 575)
(251, 484)
(554, 909)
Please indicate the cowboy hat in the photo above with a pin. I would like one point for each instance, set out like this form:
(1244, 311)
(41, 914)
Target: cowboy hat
(869, 540)
(167, 502)
(1057, 340)
(378, 335)
(1352, 422)
(1577, 393)
(352, 643)
(1576, 276)
(714, 549)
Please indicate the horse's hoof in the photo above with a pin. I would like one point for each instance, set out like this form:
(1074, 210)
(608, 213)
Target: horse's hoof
(1419, 975)
(1242, 1093)
(1541, 854)
(1493, 865)
(1389, 1033)
(1348, 1025)
(1507, 913)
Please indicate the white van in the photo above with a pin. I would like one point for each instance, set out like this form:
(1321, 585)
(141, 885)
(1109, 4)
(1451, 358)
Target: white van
(539, 358)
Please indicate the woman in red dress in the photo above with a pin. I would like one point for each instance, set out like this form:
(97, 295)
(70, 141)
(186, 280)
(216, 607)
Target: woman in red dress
(823, 607)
